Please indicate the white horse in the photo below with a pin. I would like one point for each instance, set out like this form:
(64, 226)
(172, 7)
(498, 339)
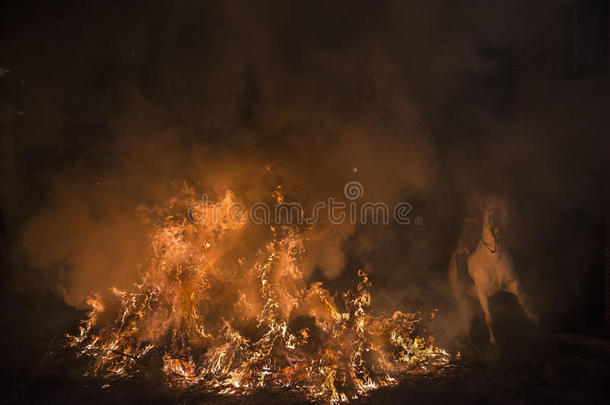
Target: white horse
(490, 267)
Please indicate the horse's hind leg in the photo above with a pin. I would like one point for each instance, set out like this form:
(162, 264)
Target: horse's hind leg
(515, 289)
(485, 306)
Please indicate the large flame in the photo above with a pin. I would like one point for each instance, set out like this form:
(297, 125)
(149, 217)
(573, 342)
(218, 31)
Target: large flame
(232, 324)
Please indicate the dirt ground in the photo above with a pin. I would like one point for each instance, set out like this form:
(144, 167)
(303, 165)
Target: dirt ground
(531, 367)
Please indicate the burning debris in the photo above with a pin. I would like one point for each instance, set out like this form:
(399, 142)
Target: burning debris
(229, 324)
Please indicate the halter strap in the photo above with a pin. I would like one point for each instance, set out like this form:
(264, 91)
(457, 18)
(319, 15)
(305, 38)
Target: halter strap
(487, 245)
(494, 250)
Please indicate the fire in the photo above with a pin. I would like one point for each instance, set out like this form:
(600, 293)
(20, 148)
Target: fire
(266, 329)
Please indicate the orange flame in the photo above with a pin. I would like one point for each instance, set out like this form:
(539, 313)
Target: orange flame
(269, 329)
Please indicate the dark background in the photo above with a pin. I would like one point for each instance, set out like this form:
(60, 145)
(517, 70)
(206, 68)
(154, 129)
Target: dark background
(515, 96)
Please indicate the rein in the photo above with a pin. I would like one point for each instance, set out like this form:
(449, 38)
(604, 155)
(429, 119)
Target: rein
(495, 249)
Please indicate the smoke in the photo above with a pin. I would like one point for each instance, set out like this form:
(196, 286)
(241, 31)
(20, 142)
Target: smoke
(246, 96)
(245, 115)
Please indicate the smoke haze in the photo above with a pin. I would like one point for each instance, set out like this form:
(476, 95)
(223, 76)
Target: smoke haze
(211, 96)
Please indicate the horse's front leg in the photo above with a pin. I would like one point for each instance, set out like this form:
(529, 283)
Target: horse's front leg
(485, 305)
(515, 289)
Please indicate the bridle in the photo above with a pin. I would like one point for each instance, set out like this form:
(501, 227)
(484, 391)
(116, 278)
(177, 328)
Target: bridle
(490, 224)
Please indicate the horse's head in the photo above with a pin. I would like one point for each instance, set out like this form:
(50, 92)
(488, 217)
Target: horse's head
(496, 214)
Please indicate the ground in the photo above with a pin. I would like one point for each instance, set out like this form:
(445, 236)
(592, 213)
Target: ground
(535, 366)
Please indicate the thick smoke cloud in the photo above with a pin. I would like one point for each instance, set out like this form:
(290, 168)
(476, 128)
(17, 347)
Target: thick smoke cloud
(240, 104)
(247, 96)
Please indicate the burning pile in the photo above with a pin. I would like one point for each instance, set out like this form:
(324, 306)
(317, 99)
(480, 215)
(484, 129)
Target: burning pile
(231, 324)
